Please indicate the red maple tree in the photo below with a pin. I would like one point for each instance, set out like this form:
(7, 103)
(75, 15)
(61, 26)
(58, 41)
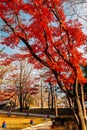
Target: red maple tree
(52, 40)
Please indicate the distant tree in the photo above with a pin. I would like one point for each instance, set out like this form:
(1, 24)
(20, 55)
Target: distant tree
(21, 81)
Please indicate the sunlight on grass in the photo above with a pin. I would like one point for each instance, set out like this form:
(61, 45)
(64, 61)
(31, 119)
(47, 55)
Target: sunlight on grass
(19, 122)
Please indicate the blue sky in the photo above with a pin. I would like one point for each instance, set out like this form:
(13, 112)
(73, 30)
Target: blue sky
(9, 50)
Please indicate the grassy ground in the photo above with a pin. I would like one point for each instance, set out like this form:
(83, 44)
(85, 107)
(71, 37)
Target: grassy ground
(18, 122)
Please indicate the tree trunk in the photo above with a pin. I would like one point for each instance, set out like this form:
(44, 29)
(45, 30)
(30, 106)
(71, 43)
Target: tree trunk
(52, 102)
(80, 114)
(20, 88)
(41, 97)
(82, 102)
(49, 100)
(52, 97)
(55, 103)
(21, 106)
(78, 106)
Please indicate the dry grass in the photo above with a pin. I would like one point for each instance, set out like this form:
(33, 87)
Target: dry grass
(18, 122)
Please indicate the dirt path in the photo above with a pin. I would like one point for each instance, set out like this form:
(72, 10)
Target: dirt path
(43, 126)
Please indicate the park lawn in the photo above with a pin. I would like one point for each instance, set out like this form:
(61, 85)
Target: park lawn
(16, 122)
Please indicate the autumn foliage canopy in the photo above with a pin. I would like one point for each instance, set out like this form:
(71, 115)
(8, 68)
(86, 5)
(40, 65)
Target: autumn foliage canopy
(49, 37)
